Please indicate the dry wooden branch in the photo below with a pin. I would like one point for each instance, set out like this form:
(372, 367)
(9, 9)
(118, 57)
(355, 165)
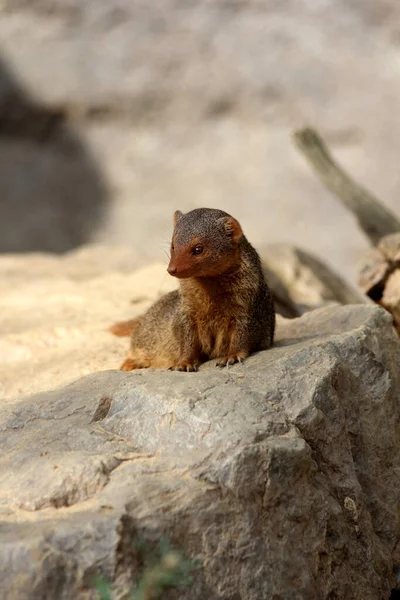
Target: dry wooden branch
(374, 219)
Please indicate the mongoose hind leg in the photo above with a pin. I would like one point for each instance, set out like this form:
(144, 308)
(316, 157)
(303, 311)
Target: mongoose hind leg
(129, 364)
(137, 359)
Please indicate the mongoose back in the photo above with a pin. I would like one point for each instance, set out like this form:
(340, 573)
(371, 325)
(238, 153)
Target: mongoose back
(223, 308)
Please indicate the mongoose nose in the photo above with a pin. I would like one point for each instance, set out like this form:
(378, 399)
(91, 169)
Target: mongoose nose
(171, 270)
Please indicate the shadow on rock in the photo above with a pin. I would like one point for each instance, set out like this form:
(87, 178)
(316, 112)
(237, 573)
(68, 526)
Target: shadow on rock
(53, 196)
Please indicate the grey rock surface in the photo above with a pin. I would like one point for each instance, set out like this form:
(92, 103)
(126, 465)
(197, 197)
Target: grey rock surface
(280, 475)
(180, 104)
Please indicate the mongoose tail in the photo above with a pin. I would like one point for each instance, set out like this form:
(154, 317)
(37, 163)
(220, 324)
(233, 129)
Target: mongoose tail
(123, 328)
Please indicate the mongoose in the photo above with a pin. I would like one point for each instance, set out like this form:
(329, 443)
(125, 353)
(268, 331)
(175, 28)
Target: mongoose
(223, 308)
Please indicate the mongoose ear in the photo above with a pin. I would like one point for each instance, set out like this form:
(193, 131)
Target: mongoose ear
(177, 215)
(233, 229)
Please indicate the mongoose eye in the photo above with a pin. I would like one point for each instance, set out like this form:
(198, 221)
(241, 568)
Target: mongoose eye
(197, 249)
(172, 247)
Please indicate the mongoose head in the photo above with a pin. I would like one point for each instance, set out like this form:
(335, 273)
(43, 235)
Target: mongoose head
(205, 243)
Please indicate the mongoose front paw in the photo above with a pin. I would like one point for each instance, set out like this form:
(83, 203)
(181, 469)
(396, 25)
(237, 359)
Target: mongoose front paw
(185, 365)
(227, 361)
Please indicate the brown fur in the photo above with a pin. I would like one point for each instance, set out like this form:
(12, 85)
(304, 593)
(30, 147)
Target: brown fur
(224, 308)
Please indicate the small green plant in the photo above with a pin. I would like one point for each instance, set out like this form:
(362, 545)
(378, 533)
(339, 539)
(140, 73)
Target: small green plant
(103, 589)
(170, 570)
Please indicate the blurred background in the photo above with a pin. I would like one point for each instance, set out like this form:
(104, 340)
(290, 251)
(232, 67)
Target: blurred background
(114, 113)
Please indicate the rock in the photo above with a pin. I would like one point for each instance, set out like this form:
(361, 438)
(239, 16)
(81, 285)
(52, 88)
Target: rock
(391, 297)
(279, 475)
(54, 194)
(379, 275)
(55, 311)
(189, 105)
(302, 282)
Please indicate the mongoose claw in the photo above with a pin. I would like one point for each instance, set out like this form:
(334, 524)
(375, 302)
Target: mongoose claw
(228, 361)
(186, 366)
